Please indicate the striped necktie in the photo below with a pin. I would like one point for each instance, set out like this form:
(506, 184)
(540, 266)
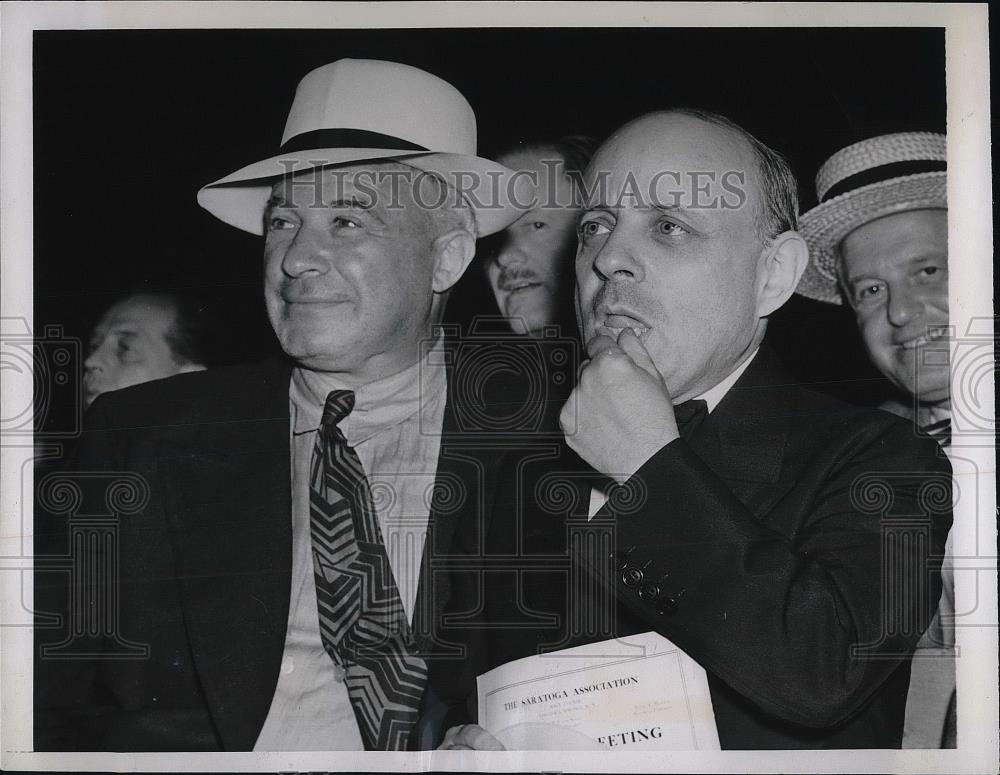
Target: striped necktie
(362, 622)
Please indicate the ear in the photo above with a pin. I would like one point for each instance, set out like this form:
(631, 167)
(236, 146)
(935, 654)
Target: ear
(187, 368)
(453, 251)
(781, 264)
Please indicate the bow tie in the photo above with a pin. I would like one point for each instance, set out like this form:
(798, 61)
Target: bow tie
(689, 416)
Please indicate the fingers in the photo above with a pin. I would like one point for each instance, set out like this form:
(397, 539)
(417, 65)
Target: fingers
(599, 344)
(567, 414)
(636, 350)
(470, 737)
(450, 739)
(629, 344)
(481, 740)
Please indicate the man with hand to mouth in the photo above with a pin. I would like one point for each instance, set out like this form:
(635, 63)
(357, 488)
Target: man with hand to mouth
(879, 240)
(754, 542)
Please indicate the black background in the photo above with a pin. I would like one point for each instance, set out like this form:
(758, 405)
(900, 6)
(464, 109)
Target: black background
(128, 125)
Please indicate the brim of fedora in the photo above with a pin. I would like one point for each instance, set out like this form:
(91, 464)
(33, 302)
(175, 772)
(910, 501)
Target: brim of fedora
(491, 190)
(826, 225)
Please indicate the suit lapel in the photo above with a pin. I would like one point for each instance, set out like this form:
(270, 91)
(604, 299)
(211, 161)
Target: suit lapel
(744, 438)
(743, 442)
(464, 484)
(482, 431)
(231, 519)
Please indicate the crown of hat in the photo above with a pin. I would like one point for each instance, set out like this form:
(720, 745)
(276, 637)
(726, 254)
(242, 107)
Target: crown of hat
(385, 98)
(364, 111)
(881, 158)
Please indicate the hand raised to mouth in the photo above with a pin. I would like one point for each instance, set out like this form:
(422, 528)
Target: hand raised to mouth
(620, 413)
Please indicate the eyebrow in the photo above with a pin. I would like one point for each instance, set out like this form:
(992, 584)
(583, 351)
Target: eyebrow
(672, 209)
(98, 335)
(912, 261)
(666, 209)
(691, 216)
(350, 202)
(124, 333)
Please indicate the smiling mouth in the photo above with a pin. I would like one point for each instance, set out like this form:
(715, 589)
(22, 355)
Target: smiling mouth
(933, 335)
(520, 285)
(312, 300)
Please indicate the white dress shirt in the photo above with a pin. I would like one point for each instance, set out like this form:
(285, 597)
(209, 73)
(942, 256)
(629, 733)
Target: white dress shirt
(395, 427)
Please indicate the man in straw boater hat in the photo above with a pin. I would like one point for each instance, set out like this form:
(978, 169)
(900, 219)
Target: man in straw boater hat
(751, 521)
(879, 240)
(278, 579)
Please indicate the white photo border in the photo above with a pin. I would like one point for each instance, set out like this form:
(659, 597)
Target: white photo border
(970, 236)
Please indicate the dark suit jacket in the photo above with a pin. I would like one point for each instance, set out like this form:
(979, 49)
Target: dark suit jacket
(791, 548)
(190, 660)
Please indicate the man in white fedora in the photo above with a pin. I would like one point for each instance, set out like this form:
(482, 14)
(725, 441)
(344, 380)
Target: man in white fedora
(279, 578)
(878, 239)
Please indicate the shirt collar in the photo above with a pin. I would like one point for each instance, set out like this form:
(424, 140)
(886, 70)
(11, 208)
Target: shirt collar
(714, 395)
(921, 414)
(378, 406)
(934, 413)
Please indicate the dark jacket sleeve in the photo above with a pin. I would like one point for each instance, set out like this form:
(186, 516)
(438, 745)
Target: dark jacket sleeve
(808, 603)
(70, 710)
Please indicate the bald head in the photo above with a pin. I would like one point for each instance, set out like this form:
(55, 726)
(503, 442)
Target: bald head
(715, 163)
(685, 241)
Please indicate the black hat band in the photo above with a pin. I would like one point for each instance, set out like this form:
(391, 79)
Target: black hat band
(882, 173)
(346, 138)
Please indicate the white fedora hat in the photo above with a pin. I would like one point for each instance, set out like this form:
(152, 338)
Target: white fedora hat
(868, 180)
(356, 110)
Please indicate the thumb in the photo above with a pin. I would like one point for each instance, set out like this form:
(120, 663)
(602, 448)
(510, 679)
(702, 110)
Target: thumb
(599, 344)
(633, 347)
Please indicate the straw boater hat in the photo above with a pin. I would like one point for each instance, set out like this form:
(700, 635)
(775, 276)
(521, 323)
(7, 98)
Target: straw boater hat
(877, 177)
(356, 110)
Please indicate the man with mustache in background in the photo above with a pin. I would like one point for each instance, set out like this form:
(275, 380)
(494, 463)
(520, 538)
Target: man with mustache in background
(753, 540)
(529, 264)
